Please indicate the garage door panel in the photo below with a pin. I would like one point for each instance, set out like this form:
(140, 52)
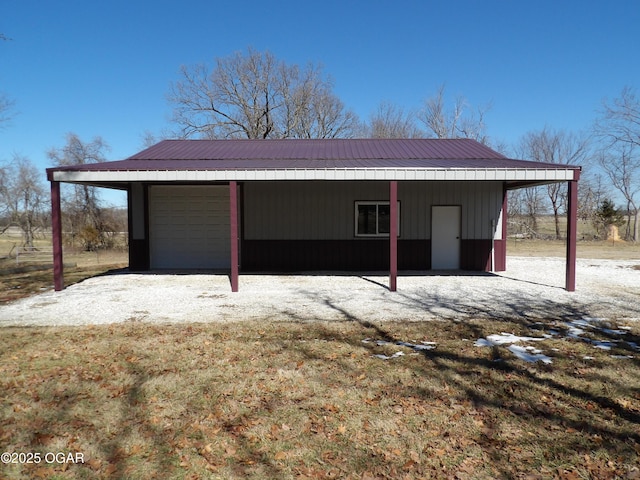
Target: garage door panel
(189, 227)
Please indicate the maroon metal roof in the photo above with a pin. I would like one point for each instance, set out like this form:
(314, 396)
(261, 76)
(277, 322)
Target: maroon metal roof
(312, 154)
(319, 149)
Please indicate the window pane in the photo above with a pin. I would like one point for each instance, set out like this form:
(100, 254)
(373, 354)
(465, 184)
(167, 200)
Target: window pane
(383, 218)
(366, 219)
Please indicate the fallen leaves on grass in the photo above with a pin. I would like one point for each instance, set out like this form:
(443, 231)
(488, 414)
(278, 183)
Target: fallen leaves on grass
(309, 400)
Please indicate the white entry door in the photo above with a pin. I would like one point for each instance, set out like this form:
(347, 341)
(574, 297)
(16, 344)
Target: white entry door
(445, 237)
(189, 227)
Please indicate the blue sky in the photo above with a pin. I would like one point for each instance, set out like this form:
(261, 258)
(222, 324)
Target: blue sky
(104, 68)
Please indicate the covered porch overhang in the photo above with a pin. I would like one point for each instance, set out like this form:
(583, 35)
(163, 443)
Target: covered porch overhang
(122, 179)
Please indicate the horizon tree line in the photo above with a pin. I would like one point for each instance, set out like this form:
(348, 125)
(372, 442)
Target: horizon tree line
(254, 95)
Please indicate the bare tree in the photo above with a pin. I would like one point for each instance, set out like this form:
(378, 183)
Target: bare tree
(391, 121)
(459, 121)
(309, 108)
(83, 211)
(6, 110)
(619, 120)
(591, 194)
(557, 147)
(6, 104)
(149, 138)
(621, 163)
(618, 127)
(22, 197)
(257, 96)
(524, 207)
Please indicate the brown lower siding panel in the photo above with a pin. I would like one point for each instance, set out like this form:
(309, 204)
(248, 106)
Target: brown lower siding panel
(475, 255)
(500, 251)
(304, 255)
(363, 255)
(138, 255)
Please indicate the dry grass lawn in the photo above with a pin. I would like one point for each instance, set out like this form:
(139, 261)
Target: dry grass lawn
(618, 250)
(282, 400)
(295, 400)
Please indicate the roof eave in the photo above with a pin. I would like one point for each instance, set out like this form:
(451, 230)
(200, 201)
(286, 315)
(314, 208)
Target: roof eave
(187, 176)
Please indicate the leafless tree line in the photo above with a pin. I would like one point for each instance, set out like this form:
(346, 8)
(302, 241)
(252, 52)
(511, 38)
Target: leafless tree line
(24, 199)
(258, 96)
(255, 95)
(611, 160)
(6, 103)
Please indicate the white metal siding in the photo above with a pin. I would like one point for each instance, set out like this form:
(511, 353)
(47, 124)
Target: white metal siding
(465, 174)
(480, 201)
(189, 227)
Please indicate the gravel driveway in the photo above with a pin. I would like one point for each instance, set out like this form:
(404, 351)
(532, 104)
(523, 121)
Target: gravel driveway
(531, 287)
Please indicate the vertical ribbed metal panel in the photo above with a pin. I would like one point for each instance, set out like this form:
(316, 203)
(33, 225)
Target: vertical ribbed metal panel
(317, 210)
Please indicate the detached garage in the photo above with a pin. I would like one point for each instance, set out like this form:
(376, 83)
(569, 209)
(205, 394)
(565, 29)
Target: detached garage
(300, 205)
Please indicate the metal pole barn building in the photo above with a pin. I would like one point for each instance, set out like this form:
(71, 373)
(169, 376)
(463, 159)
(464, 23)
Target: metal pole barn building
(309, 205)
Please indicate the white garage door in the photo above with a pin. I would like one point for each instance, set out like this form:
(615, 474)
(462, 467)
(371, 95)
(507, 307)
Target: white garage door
(189, 227)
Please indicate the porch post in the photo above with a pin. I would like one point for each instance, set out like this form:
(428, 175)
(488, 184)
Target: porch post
(56, 234)
(393, 234)
(572, 223)
(233, 223)
(502, 260)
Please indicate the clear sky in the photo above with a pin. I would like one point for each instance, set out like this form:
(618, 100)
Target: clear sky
(104, 67)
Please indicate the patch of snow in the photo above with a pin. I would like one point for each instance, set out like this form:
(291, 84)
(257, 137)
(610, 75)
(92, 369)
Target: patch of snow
(613, 332)
(417, 348)
(621, 356)
(576, 332)
(385, 357)
(529, 354)
(424, 346)
(526, 353)
(602, 345)
(597, 324)
(506, 338)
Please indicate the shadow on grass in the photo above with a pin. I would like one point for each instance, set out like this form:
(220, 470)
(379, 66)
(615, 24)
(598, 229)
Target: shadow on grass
(499, 393)
(603, 421)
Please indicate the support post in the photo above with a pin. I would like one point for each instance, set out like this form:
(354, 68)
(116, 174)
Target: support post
(56, 234)
(502, 261)
(233, 223)
(393, 234)
(572, 224)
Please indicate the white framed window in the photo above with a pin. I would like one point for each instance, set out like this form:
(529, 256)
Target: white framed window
(372, 219)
